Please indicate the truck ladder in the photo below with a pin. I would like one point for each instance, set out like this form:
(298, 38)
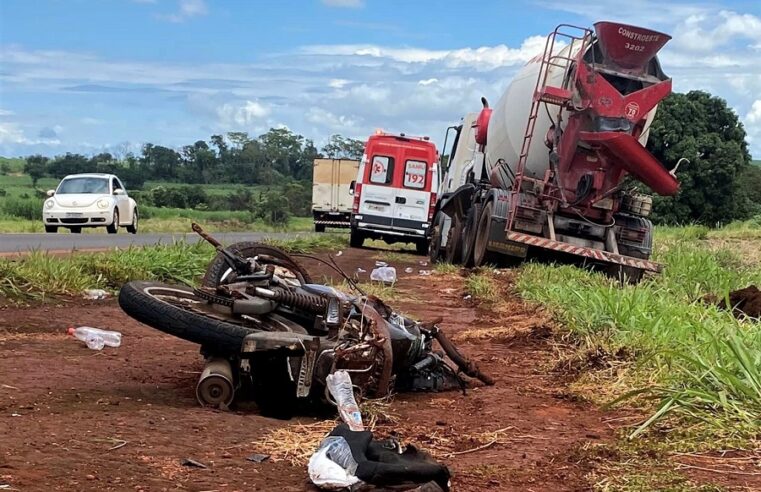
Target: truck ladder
(559, 96)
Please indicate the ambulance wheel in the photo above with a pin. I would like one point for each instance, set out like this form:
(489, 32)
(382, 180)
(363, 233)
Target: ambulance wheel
(356, 239)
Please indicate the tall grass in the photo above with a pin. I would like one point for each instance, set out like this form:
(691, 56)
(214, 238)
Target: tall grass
(40, 275)
(699, 362)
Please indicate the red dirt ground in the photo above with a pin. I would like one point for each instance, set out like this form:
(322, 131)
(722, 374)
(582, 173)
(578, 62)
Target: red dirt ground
(62, 406)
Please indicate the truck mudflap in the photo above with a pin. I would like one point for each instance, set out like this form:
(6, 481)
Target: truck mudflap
(516, 239)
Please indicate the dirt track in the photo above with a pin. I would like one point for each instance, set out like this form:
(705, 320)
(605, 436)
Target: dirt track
(62, 406)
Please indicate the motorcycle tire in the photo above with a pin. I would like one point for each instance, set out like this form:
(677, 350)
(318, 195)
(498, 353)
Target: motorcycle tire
(138, 301)
(218, 268)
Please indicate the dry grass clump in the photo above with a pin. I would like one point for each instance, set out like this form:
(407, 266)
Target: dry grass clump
(294, 443)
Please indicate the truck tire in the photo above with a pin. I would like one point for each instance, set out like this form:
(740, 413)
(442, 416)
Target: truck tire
(356, 238)
(421, 247)
(434, 245)
(138, 299)
(483, 228)
(319, 228)
(454, 241)
(51, 229)
(218, 268)
(469, 234)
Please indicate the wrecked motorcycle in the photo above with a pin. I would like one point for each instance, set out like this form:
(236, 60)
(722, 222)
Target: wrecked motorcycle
(266, 330)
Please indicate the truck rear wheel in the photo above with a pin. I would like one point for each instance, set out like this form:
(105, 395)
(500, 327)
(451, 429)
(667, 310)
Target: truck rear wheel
(319, 228)
(454, 241)
(482, 235)
(434, 245)
(469, 234)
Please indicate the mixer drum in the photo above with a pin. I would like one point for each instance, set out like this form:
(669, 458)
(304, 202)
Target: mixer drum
(507, 125)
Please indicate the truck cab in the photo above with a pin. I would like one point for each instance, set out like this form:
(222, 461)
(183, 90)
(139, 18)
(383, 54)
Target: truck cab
(395, 190)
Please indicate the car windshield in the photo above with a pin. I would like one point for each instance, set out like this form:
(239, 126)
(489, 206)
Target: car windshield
(83, 185)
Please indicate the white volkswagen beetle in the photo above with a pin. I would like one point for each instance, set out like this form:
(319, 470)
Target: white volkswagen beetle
(90, 200)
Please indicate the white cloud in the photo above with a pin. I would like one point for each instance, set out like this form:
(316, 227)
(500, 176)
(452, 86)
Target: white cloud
(242, 115)
(428, 81)
(12, 134)
(186, 10)
(337, 83)
(482, 58)
(5, 112)
(754, 115)
(353, 4)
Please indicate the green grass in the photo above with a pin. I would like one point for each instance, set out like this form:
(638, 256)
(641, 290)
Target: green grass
(40, 275)
(698, 363)
(482, 287)
(446, 268)
(311, 242)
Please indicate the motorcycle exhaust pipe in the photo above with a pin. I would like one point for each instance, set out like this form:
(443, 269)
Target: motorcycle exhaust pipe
(215, 386)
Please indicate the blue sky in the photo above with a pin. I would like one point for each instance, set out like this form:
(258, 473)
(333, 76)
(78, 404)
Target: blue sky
(89, 75)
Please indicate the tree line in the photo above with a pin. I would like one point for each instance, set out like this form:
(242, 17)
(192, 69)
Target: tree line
(274, 158)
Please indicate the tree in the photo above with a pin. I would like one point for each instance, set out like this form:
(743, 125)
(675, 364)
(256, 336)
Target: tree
(339, 147)
(703, 129)
(35, 167)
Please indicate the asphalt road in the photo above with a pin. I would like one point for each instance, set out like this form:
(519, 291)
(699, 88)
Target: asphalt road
(15, 243)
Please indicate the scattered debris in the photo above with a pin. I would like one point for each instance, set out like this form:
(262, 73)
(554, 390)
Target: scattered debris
(379, 264)
(744, 302)
(192, 463)
(385, 274)
(423, 263)
(346, 457)
(258, 457)
(424, 273)
(408, 270)
(361, 270)
(95, 294)
(7, 386)
(339, 253)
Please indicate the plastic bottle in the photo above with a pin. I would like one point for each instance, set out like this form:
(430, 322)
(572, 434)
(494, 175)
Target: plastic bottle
(96, 338)
(339, 385)
(95, 294)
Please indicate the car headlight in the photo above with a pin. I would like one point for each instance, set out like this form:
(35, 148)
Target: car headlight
(49, 203)
(103, 203)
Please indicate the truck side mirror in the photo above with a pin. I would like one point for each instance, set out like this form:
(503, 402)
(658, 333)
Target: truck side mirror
(351, 186)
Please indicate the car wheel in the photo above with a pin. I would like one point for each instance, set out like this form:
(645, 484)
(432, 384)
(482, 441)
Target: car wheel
(75, 230)
(132, 228)
(115, 225)
(51, 229)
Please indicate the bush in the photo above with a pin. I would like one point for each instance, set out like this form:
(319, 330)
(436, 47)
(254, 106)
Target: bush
(23, 207)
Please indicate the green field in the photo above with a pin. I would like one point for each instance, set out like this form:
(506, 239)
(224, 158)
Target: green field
(21, 210)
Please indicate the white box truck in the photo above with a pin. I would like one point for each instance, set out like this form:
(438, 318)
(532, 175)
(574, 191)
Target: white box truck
(331, 194)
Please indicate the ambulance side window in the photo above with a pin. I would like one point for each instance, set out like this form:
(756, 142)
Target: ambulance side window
(381, 169)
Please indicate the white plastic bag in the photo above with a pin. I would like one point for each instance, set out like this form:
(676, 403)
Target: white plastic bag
(385, 274)
(332, 466)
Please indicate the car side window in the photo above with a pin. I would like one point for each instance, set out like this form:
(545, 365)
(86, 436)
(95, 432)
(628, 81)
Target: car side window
(114, 185)
(121, 185)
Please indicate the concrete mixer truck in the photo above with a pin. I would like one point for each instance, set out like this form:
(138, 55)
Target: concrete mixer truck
(543, 172)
